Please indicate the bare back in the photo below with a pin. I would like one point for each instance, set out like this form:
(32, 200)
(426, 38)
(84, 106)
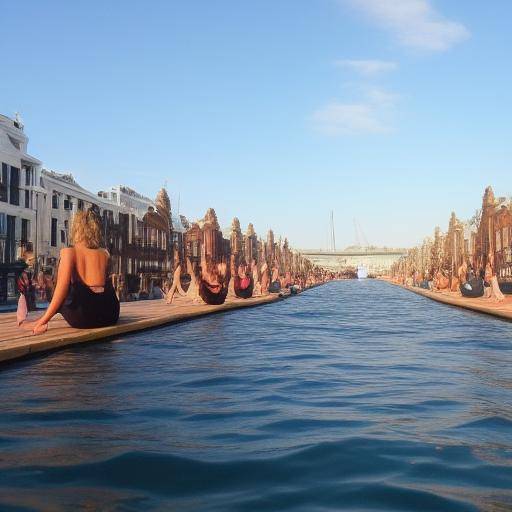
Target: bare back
(91, 265)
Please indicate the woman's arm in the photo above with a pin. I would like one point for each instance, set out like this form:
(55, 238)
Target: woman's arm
(61, 290)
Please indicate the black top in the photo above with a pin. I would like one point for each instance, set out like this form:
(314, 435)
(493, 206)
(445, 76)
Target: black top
(86, 309)
(210, 297)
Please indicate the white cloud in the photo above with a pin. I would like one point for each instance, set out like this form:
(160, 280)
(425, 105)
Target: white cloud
(347, 119)
(414, 23)
(381, 97)
(370, 116)
(367, 67)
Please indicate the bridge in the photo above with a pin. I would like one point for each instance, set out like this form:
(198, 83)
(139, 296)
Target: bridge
(376, 259)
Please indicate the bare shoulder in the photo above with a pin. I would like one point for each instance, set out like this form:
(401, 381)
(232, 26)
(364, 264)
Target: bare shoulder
(67, 254)
(67, 259)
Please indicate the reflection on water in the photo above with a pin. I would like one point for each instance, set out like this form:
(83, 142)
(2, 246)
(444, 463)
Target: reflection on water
(355, 395)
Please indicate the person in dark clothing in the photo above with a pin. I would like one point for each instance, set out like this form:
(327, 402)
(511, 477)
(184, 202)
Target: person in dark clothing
(213, 282)
(84, 293)
(474, 286)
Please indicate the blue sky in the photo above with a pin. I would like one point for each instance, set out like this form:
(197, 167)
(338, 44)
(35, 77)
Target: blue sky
(394, 112)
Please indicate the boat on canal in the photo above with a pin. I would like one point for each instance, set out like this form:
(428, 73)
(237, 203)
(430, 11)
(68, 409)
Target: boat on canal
(362, 272)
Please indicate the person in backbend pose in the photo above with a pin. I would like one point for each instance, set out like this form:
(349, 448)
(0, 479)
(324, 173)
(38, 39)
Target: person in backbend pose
(454, 283)
(493, 288)
(275, 284)
(256, 279)
(265, 278)
(84, 294)
(441, 282)
(213, 281)
(176, 281)
(462, 273)
(471, 286)
(243, 282)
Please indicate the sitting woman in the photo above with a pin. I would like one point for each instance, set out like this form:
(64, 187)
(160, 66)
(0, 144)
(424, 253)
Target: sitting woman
(244, 282)
(472, 287)
(213, 281)
(84, 294)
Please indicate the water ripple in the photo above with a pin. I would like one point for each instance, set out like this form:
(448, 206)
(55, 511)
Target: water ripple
(354, 396)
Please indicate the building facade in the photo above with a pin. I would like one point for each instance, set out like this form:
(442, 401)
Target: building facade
(61, 197)
(20, 193)
(36, 211)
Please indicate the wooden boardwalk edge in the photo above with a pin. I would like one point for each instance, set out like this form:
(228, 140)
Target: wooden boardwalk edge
(24, 346)
(502, 311)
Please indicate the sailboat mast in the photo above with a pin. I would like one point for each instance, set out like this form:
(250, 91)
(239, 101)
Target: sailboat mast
(333, 236)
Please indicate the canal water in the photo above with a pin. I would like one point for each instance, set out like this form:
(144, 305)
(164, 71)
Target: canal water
(351, 396)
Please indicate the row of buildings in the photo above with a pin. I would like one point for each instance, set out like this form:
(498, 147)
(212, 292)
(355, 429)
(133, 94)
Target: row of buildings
(484, 239)
(144, 239)
(37, 206)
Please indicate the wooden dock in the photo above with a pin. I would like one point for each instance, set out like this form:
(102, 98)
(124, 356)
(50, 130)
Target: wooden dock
(16, 342)
(502, 310)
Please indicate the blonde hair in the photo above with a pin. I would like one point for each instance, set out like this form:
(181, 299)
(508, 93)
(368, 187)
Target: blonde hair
(86, 229)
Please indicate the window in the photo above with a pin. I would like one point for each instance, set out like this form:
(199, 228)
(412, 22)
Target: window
(14, 186)
(68, 205)
(80, 204)
(27, 199)
(3, 224)
(28, 176)
(25, 227)
(55, 200)
(10, 245)
(3, 183)
(54, 233)
(62, 236)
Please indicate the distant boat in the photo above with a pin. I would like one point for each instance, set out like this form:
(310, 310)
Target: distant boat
(362, 272)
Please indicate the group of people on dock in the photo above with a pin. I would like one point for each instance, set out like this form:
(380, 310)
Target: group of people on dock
(208, 269)
(473, 258)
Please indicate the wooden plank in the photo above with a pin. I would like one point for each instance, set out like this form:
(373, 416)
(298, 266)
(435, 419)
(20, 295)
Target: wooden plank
(135, 316)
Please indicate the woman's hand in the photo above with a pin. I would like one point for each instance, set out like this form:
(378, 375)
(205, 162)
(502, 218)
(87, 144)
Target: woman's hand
(39, 326)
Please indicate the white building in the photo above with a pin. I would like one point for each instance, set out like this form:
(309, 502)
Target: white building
(19, 201)
(128, 199)
(63, 196)
(122, 209)
(36, 211)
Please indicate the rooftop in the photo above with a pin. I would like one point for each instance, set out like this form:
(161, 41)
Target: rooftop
(130, 192)
(13, 123)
